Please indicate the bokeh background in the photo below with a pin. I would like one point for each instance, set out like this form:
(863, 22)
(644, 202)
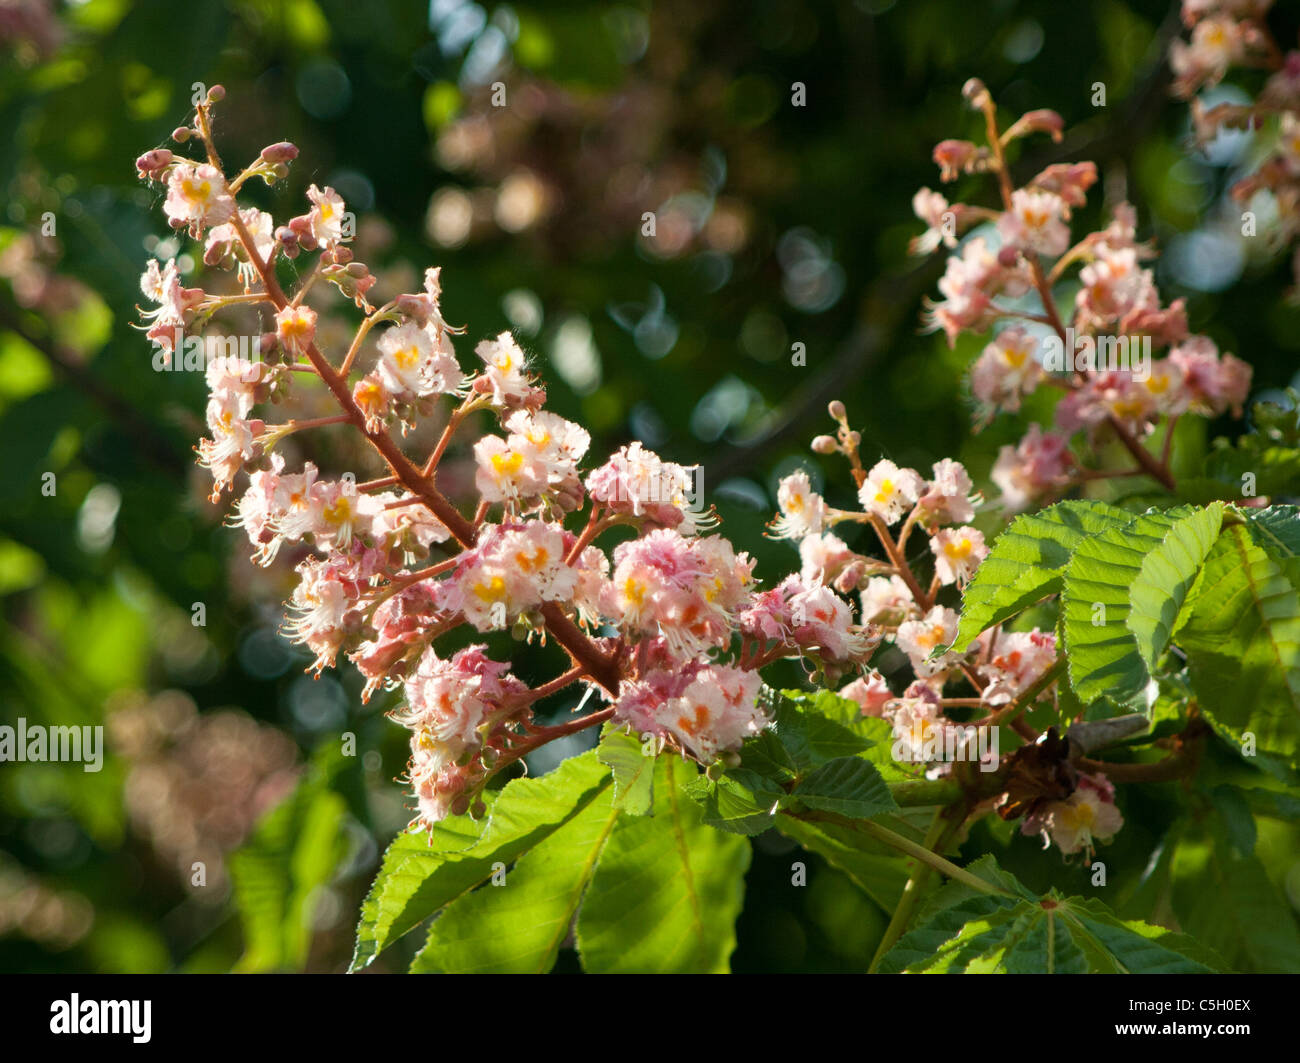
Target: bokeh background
(776, 225)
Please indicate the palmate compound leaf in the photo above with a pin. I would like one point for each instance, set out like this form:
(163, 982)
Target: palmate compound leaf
(808, 757)
(667, 889)
(1121, 596)
(1026, 562)
(634, 774)
(420, 874)
(656, 893)
(962, 930)
(1242, 638)
(517, 924)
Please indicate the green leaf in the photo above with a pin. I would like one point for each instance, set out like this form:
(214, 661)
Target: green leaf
(1242, 637)
(1237, 817)
(1026, 560)
(1106, 581)
(847, 786)
(1226, 899)
(278, 873)
(634, 772)
(667, 890)
(517, 924)
(741, 802)
(1276, 529)
(810, 738)
(1165, 577)
(421, 874)
(879, 871)
(963, 930)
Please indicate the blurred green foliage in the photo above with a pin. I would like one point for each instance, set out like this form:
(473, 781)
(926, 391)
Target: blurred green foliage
(791, 227)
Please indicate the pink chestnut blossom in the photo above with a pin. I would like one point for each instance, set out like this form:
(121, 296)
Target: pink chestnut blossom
(888, 602)
(686, 590)
(233, 442)
(1213, 383)
(197, 197)
(1070, 181)
(402, 625)
(1035, 223)
(803, 511)
(827, 559)
(949, 497)
(1040, 463)
(1087, 816)
(869, 691)
(1218, 42)
(415, 362)
(511, 570)
(821, 621)
(505, 374)
(1019, 660)
(957, 554)
(295, 328)
(940, 222)
(326, 216)
(717, 710)
(638, 482)
(1007, 370)
(920, 728)
(919, 638)
(969, 283)
(888, 491)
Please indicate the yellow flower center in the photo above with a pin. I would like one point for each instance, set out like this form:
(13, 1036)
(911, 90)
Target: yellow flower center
(1080, 816)
(196, 191)
(338, 511)
(507, 464)
(958, 551)
(491, 590)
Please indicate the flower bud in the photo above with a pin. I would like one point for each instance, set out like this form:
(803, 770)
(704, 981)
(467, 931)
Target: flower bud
(460, 805)
(1040, 121)
(836, 410)
(824, 445)
(216, 94)
(975, 92)
(288, 240)
(281, 152)
(301, 228)
(152, 163)
(181, 134)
